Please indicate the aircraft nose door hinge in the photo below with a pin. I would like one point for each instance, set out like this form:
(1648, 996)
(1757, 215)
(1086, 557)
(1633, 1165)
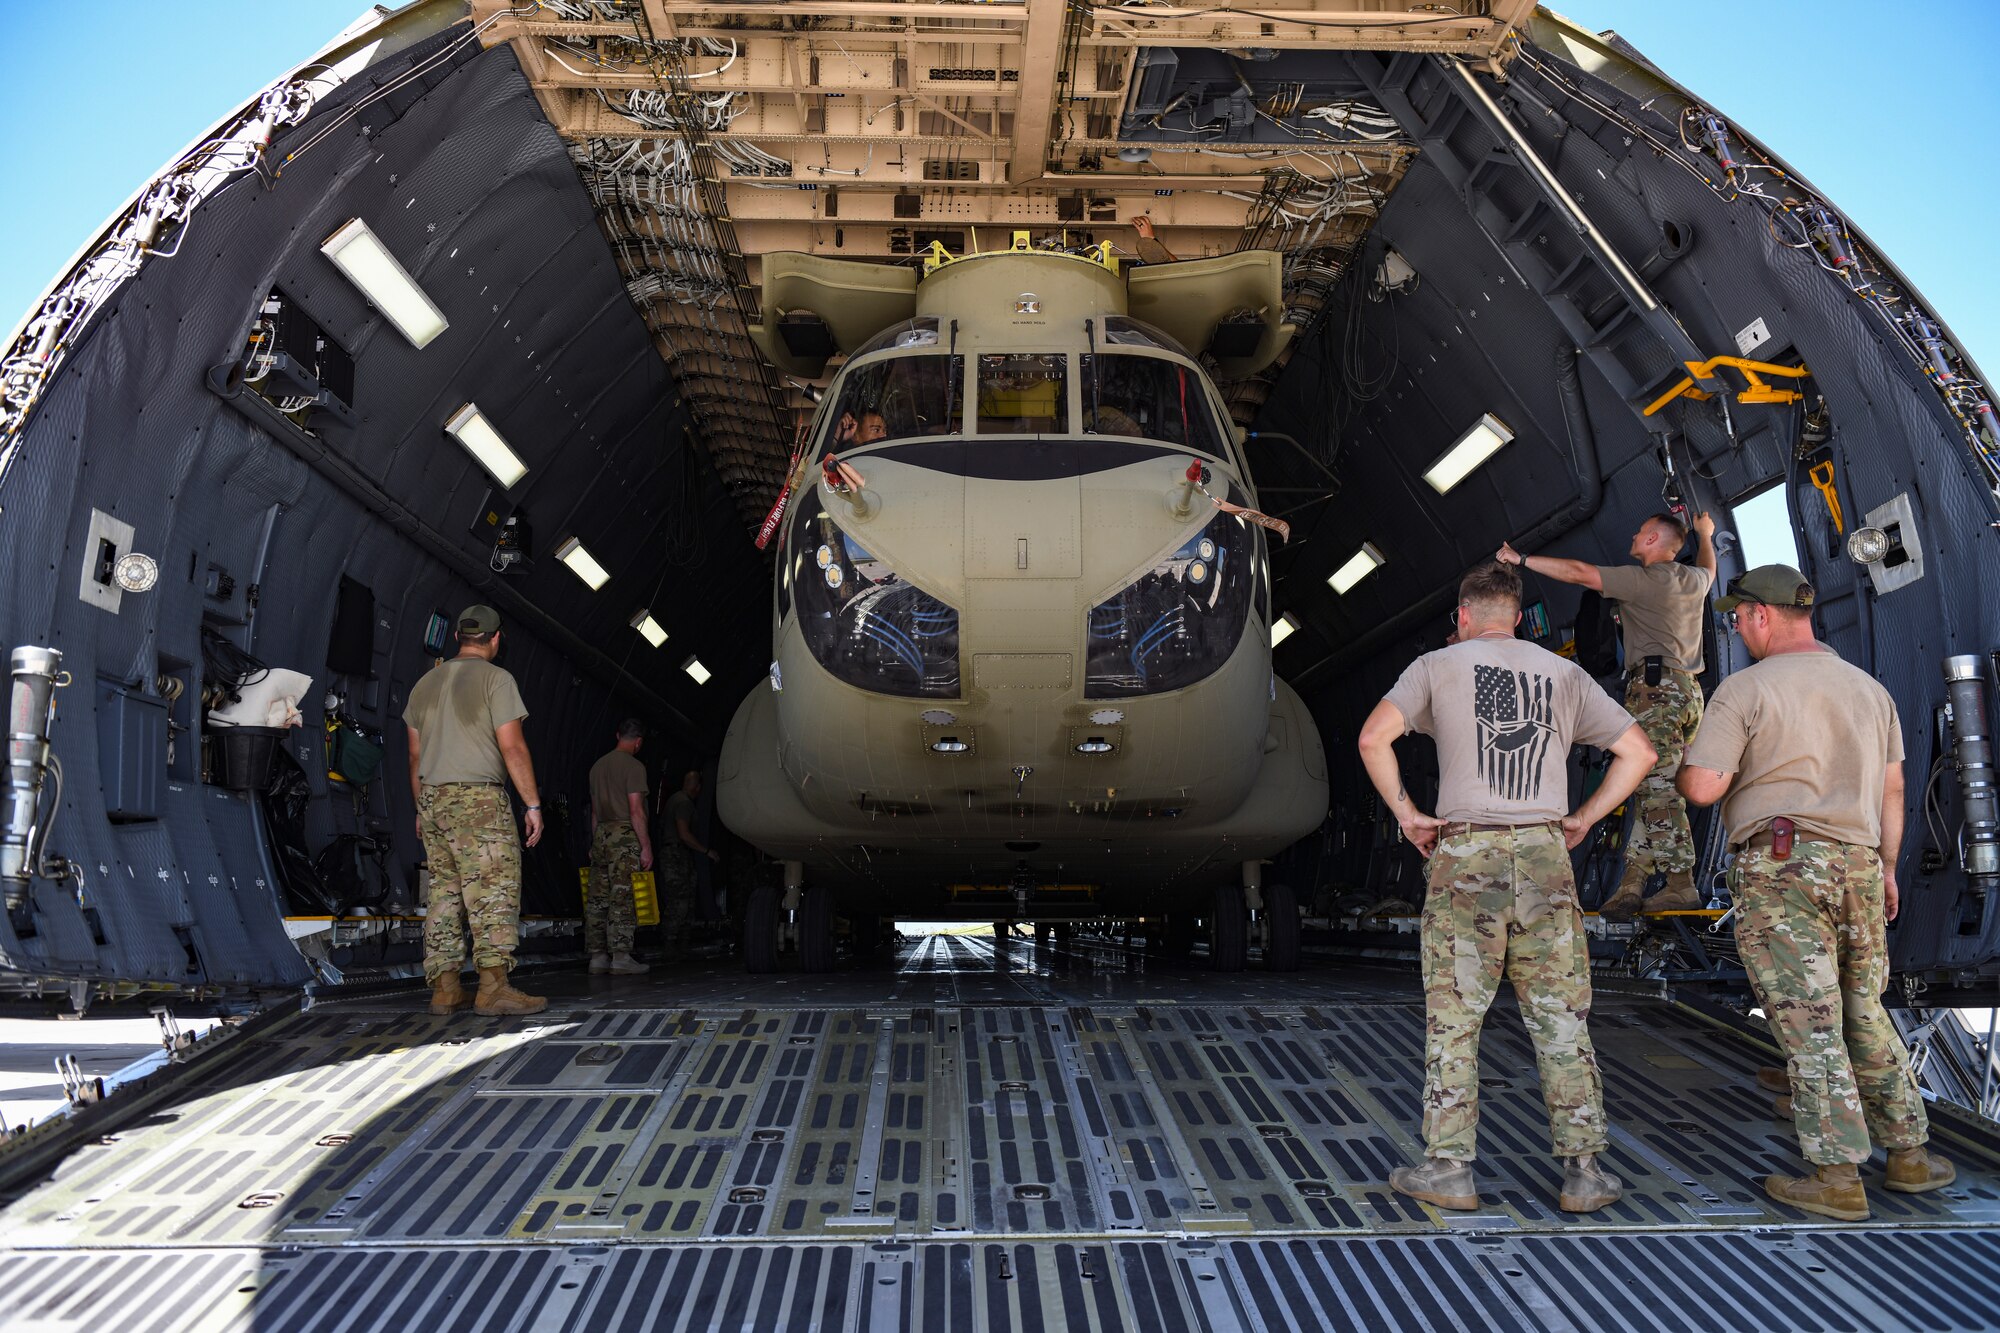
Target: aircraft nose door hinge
(1020, 553)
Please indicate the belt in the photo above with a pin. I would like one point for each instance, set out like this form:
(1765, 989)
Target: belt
(1640, 670)
(1463, 826)
(465, 784)
(1764, 840)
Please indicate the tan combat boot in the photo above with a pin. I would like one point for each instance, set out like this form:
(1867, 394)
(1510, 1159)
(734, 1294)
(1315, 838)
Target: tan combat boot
(1918, 1170)
(1781, 1107)
(447, 994)
(599, 963)
(625, 965)
(497, 999)
(1625, 904)
(1677, 896)
(1772, 1078)
(1830, 1191)
(1587, 1186)
(1439, 1180)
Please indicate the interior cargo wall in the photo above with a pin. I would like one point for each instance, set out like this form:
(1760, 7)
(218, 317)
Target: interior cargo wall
(255, 525)
(1394, 377)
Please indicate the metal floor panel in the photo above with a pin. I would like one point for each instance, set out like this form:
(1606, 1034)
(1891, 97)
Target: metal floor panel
(1038, 1139)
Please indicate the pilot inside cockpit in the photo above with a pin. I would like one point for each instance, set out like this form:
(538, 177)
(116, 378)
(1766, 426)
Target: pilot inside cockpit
(900, 398)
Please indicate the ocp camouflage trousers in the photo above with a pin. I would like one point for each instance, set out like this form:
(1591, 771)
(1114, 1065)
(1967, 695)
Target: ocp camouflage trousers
(1814, 940)
(610, 919)
(674, 880)
(475, 863)
(1669, 712)
(1503, 904)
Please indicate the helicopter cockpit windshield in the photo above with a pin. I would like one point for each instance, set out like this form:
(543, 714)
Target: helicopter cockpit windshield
(1136, 382)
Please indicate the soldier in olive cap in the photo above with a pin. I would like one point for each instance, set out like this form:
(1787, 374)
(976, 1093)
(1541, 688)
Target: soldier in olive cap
(464, 720)
(1805, 753)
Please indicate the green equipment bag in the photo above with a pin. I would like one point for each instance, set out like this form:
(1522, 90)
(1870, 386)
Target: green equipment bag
(351, 757)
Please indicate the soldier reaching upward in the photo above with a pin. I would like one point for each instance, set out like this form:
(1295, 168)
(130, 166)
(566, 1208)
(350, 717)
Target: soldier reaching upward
(1502, 900)
(464, 720)
(1661, 605)
(1805, 752)
(1503, 897)
(620, 847)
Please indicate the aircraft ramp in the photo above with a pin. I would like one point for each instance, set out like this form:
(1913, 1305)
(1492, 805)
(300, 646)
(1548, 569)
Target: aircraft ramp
(1062, 1137)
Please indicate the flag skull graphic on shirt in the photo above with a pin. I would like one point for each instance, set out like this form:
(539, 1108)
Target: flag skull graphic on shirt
(1514, 710)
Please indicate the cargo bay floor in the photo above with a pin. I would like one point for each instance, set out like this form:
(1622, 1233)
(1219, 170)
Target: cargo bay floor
(1063, 1137)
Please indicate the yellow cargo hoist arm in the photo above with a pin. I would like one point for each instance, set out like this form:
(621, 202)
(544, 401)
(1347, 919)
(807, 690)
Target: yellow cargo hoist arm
(1756, 392)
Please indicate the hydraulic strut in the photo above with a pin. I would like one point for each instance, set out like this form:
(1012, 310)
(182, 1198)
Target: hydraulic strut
(31, 711)
(1972, 752)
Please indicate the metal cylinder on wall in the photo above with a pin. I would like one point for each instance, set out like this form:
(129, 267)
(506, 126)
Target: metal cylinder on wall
(1972, 752)
(30, 712)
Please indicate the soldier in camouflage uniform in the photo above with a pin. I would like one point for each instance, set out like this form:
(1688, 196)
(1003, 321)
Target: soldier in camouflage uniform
(676, 878)
(1805, 752)
(620, 847)
(464, 722)
(1662, 609)
(1502, 898)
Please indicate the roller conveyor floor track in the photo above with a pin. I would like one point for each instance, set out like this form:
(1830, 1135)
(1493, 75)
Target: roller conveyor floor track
(1059, 1137)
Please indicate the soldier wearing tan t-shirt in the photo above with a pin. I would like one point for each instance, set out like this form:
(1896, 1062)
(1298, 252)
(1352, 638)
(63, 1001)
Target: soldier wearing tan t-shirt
(621, 846)
(1662, 605)
(1502, 899)
(1805, 753)
(464, 723)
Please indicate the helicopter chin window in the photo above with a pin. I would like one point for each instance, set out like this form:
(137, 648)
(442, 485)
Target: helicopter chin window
(863, 622)
(1177, 622)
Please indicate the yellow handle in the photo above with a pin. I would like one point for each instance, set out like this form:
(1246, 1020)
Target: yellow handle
(1822, 477)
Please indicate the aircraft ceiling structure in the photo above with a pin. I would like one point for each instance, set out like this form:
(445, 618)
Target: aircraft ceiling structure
(710, 135)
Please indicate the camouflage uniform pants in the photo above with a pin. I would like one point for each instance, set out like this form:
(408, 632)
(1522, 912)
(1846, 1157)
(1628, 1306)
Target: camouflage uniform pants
(1669, 712)
(1503, 904)
(609, 917)
(1813, 938)
(674, 881)
(475, 863)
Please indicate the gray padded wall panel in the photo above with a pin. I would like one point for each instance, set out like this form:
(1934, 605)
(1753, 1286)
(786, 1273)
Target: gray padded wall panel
(466, 182)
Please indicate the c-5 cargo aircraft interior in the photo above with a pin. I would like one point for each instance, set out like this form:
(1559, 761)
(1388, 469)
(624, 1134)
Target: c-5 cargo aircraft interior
(1001, 453)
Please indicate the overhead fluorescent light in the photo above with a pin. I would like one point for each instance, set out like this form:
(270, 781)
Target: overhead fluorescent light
(1358, 567)
(470, 428)
(360, 254)
(1473, 448)
(694, 668)
(581, 562)
(646, 625)
(1282, 627)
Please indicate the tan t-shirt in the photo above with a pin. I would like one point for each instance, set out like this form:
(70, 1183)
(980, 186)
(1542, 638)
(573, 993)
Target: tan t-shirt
(613, 780)
(1809, 737)
(455, 710)
(1504, 714)
(1661, 607)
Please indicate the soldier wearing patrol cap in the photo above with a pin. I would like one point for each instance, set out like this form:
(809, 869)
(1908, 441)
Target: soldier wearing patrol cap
(464, 720)
(1661, 608)
(1805, 753)
(1502, 900)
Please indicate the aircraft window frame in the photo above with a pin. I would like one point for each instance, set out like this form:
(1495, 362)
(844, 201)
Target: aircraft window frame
(1065, 380)
(1218, 445)
(851, 397)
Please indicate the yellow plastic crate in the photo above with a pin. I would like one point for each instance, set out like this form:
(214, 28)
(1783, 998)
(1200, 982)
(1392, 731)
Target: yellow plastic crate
(645, 898)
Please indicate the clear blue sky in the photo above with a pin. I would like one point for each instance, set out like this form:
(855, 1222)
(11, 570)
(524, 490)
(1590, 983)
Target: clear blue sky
(1894, 118)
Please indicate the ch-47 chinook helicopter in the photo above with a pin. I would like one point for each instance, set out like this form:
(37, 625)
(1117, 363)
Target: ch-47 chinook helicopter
(1022, 609)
